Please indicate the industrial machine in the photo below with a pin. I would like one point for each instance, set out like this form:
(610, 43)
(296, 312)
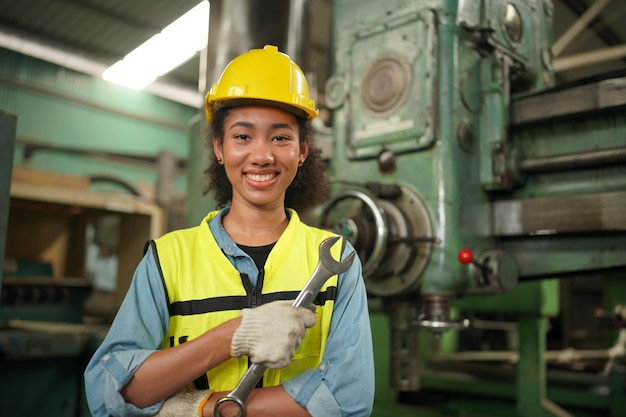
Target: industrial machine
(487, 207)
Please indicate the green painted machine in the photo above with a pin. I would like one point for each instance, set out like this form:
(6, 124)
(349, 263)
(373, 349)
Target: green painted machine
(487, 206)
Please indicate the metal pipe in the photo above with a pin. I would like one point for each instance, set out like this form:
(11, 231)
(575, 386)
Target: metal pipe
(31, 146)
(561, 356)
(93, 104)
(592, 159)
(237, 26)
(578, 26)
(297, 29)
(589, 58)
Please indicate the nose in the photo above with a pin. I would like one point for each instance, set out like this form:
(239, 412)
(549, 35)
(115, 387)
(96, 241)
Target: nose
(261, 153)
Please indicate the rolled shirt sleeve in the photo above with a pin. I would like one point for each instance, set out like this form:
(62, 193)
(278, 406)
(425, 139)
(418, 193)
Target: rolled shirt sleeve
(136, 333)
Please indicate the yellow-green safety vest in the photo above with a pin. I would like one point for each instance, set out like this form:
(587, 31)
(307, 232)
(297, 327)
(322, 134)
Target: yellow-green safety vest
(204, 290)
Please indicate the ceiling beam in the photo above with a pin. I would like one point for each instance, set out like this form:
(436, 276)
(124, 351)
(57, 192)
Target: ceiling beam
(578, 26)
(601, 29)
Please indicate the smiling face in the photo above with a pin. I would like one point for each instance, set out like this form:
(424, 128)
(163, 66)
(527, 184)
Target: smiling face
(261, 151)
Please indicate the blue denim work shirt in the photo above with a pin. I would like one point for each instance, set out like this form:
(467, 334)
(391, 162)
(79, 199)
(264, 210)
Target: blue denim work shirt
(342, 384)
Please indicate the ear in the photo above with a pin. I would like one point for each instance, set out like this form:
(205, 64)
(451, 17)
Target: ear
(217, 148)
(304, 150)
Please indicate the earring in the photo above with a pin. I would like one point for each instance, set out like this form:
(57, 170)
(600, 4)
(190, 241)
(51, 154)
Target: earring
(219, 160)
(300, 162)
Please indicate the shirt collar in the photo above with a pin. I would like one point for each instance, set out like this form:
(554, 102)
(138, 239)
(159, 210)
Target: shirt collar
(224, 241)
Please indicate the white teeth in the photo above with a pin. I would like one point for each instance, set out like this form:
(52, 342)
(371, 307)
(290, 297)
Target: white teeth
(260, 178)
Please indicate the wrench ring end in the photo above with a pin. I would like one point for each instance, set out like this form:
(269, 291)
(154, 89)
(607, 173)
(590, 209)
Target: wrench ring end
(226, 399)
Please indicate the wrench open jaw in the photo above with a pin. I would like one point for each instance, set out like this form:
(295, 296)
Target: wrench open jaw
(326, 267)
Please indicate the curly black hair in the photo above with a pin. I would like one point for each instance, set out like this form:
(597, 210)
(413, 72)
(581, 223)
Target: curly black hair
(309, 187)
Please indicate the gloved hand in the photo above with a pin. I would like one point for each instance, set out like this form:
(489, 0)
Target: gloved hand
(186, 402)
(270, 334)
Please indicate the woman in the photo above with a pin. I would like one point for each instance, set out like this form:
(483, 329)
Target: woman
(206, 301)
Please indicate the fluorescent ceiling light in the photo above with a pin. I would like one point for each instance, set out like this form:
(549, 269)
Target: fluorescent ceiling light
(176, 44)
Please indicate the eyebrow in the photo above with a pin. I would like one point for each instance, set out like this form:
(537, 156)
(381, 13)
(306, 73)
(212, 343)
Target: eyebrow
(273, 126)
(281, 126)
(243, 124)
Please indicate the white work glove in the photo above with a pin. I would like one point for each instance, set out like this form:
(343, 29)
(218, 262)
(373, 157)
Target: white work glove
(186, 402)
(271, 333)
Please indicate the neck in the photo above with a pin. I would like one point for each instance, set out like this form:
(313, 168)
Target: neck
(255, 227)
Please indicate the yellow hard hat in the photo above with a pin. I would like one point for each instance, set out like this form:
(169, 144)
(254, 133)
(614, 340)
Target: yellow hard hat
(264, 75)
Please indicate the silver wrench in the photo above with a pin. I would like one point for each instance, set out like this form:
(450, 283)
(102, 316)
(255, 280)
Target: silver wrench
(326, 267)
